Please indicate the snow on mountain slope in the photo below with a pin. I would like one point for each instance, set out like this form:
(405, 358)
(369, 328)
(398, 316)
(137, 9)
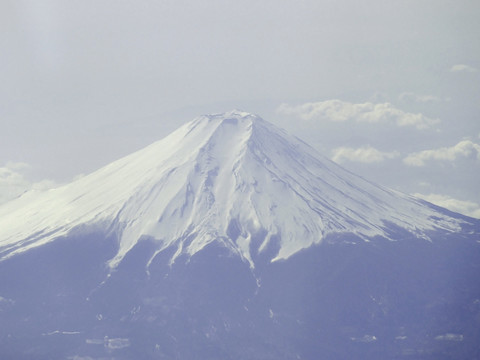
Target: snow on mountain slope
(225, 177)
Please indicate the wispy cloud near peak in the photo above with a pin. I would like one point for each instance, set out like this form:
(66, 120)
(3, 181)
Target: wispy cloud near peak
(340, 111)
(464, 148)
(364, 154)
(412, 97)
(463, 68)
(14, 182)
(465, 207)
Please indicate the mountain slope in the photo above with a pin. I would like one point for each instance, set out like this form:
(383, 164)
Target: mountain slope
(232, 240)
(226, 177)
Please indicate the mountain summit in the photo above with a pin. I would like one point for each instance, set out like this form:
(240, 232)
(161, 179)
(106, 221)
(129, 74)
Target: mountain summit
(232, 178)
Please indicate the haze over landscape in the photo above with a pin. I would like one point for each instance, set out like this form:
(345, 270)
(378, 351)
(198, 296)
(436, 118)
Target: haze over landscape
(388, 89)
(240, 180)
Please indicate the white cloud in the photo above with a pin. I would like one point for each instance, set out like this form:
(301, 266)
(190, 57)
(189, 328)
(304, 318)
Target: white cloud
(468, 208)
(14, 183)
(412, 97)
(463, 68)
(365, 154)
(464, 148)
(339, 111)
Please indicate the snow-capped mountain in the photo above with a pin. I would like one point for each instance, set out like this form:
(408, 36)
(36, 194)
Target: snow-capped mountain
(226, 178)
(230, 239)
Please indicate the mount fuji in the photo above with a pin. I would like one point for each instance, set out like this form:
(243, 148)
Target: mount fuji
(230, 239)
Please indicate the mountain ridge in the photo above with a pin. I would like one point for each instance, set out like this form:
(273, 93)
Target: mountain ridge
(225, 177)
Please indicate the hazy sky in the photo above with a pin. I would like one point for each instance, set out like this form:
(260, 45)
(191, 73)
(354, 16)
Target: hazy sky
(390, 89)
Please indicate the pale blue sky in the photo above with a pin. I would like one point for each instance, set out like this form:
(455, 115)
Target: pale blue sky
(86, 82)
